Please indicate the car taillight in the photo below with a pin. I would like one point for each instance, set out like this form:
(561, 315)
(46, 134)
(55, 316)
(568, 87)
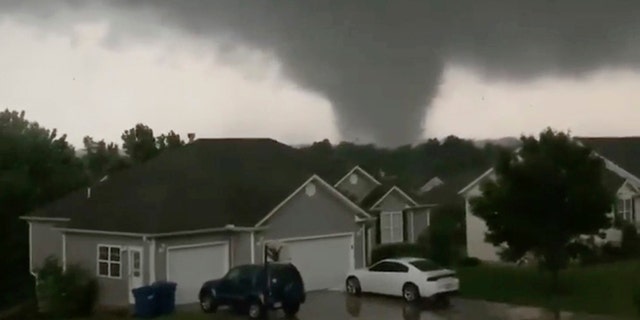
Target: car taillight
(435, 278)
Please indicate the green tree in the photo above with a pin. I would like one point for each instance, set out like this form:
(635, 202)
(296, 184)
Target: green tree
(543, 196)
(140, 144)
(169, 141)
(102, 159)
(36, 167)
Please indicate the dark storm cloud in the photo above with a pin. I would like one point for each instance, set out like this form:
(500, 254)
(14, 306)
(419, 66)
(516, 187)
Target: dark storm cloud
(380, 62)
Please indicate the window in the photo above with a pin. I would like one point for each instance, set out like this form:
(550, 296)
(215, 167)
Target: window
(391, 227)
(625, 209)
(109, 263)
(387, 266)
(425, 265)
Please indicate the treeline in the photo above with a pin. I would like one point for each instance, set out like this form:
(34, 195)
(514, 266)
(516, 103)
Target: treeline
(412, 165)
(37, 166)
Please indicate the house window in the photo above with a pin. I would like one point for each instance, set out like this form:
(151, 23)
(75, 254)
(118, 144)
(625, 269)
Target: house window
(109, 263)
(625, 209)
(391, 227)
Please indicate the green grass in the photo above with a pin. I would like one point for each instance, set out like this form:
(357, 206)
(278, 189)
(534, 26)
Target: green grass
(601, 289)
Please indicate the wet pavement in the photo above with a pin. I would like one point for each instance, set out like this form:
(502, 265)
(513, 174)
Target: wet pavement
(338, 306)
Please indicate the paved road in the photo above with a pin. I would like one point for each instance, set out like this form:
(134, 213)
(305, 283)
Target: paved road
(338, 306)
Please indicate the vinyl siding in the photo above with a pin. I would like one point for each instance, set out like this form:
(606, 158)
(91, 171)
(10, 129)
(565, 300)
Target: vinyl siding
(45, 242)
(360, 189)
(320, 214)
(82, 249)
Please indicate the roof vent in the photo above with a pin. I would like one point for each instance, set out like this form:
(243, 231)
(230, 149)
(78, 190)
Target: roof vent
(192, 136)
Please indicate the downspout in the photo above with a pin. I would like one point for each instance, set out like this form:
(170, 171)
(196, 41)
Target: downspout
(253, 247)
(31, 250)
(64, 252)
(152, 261)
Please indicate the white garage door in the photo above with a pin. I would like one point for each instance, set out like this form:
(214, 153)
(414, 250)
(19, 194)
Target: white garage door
(191, 266)
(322, 262)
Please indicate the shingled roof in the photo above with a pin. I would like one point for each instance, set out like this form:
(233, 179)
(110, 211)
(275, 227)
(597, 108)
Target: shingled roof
(209, 183)
(447, 193)
(623, 151)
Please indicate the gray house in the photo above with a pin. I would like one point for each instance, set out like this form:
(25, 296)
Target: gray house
(191, 213)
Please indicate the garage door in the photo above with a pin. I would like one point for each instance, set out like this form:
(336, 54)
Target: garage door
(323, 262)
(191, 266)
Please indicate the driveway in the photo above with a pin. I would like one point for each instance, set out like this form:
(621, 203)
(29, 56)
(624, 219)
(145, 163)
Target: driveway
(339, 306)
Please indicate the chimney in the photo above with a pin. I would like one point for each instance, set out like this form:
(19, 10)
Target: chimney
(192, 136)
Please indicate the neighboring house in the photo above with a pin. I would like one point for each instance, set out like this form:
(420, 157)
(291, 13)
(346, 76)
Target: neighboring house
(193, 212)
(398, 217)
(622, 159)
(444, 191)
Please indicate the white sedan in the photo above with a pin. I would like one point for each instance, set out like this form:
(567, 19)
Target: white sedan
(410, 278)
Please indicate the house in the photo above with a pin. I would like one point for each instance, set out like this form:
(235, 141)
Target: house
(444, 190)
(622, 160)
(193, 212)
(398, 217)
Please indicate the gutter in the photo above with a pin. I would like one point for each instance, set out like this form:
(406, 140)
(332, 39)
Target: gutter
(43, 219)
(423, 206)
(165, 234)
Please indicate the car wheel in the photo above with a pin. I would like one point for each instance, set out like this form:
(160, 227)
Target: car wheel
(291, 309)
(410, 293)
(353, 286)
(208, 304)
(255, 310)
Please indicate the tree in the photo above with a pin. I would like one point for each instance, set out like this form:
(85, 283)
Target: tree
(36, 167)
(102, 159)
(169, 141)
(141, 145)
(543, 196)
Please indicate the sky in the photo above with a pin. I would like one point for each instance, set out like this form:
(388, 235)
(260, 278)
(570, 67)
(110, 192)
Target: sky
(383, 76)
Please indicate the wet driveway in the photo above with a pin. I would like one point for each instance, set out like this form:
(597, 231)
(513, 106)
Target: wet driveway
(338, 306)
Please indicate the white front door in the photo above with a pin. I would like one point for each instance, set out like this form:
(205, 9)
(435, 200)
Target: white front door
(135, 270)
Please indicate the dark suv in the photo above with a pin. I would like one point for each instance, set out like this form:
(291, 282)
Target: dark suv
(246, 289)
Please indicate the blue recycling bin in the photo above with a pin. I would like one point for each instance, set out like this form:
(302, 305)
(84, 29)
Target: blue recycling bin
(146, 299)
(166, 293)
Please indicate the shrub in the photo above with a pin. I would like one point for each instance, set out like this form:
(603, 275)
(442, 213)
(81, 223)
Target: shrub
(630, 246)
(636, 295)
(397, 250)
(442, 238)
(64, 294)
(469, 262)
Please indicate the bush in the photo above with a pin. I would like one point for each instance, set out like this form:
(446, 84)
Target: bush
(442, 238)
(630, 246)
(65, 294)
(636, 295)
(397, 250)
(469, 262)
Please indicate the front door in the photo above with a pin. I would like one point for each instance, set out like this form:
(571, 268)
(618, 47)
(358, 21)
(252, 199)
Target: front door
(135, 270)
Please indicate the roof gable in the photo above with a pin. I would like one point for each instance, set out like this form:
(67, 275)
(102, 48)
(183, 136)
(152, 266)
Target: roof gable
(623, 152)
(315, 178)
(431, 184)
(626, 150)
(360, 172)
(397, 191)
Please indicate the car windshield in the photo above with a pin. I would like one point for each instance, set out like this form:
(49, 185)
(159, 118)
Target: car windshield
(425, 265)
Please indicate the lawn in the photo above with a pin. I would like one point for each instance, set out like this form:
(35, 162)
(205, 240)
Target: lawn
(601, 289)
